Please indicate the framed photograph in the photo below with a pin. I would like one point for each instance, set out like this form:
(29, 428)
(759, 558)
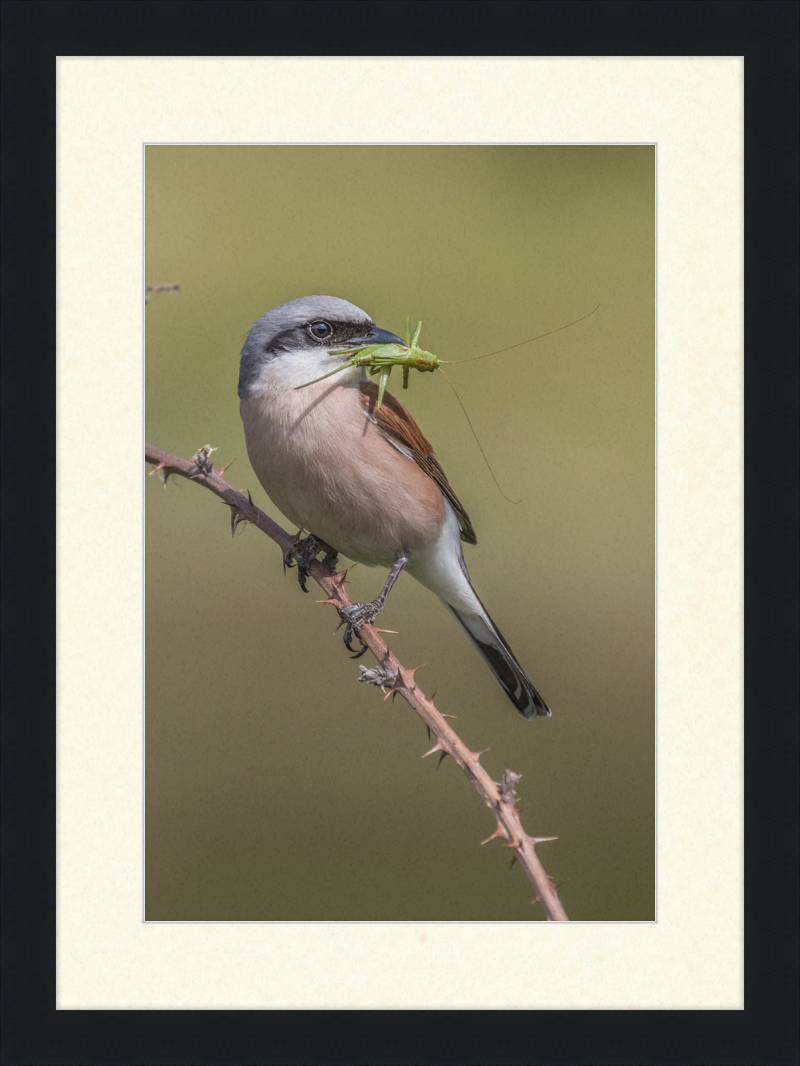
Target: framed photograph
(274, 808)
(261, 750)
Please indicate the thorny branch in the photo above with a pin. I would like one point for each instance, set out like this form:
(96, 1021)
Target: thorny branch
(390, 675)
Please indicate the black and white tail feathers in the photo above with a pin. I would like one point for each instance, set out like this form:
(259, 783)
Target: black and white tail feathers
(500, 659)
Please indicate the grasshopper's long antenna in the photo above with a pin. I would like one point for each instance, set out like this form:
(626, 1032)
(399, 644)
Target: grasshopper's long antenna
(475, 435)
(472, 358)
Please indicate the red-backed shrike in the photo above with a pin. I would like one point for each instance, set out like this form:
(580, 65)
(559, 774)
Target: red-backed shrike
(362, 481)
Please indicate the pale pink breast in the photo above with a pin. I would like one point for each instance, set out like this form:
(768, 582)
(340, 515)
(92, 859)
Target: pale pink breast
(329, 469)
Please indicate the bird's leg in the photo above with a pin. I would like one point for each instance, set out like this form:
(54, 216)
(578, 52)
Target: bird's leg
(362, 614)
(304, 552)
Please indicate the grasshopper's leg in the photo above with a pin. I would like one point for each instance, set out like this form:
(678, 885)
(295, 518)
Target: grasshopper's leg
(362, 614)
(385, 373)
(304, 552)
(408, 335)
(405, 377)
(415, 335)
(354, 361)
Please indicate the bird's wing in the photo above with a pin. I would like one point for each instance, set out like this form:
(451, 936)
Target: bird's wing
(396, 423)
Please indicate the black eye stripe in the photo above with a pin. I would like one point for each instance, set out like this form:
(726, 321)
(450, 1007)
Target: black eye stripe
(298, 336)
(335, 333)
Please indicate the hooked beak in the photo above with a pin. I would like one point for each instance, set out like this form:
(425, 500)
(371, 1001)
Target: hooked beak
(377, 336)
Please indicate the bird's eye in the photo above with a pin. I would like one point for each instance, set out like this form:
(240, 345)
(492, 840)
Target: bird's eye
(320, 329)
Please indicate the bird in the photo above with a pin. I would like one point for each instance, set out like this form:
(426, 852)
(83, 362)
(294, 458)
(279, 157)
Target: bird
(361, 478)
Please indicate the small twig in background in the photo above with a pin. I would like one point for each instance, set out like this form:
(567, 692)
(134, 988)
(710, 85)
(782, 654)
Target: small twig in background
(154, 290)
(390, 675)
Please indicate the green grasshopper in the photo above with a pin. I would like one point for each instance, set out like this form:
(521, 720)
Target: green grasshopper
(380, 358)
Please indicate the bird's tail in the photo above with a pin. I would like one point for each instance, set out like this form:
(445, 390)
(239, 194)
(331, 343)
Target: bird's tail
(500, 659)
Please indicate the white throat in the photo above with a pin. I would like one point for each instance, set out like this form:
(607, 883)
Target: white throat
(292, 369)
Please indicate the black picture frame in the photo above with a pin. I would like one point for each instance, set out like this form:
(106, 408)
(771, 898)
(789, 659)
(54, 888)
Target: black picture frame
(766, 34)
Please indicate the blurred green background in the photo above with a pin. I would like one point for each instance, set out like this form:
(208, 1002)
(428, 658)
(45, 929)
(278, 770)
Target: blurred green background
(277, 788)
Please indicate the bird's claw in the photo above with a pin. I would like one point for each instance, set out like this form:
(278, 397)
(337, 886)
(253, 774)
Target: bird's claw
(356, 616)
(362, 650)
(304, 552)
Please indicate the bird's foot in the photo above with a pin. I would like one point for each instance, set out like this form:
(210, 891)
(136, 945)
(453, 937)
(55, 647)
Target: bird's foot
(304, 552)
(356, 616)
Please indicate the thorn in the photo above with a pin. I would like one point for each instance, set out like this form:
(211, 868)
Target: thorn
(557, 885)
(338, 579)
(414, 670)
(395, 631)
(478, 754)
(499, 832)
(236, 515)
(447, 715)
(250, 498)
(397, 686)
(433, 697)
(334, 602)
(519, 810)
(442, 757)
(162, 466)
(222, 471)
(436, 747)
(512, 862)
(541, 840)
(428, 728)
